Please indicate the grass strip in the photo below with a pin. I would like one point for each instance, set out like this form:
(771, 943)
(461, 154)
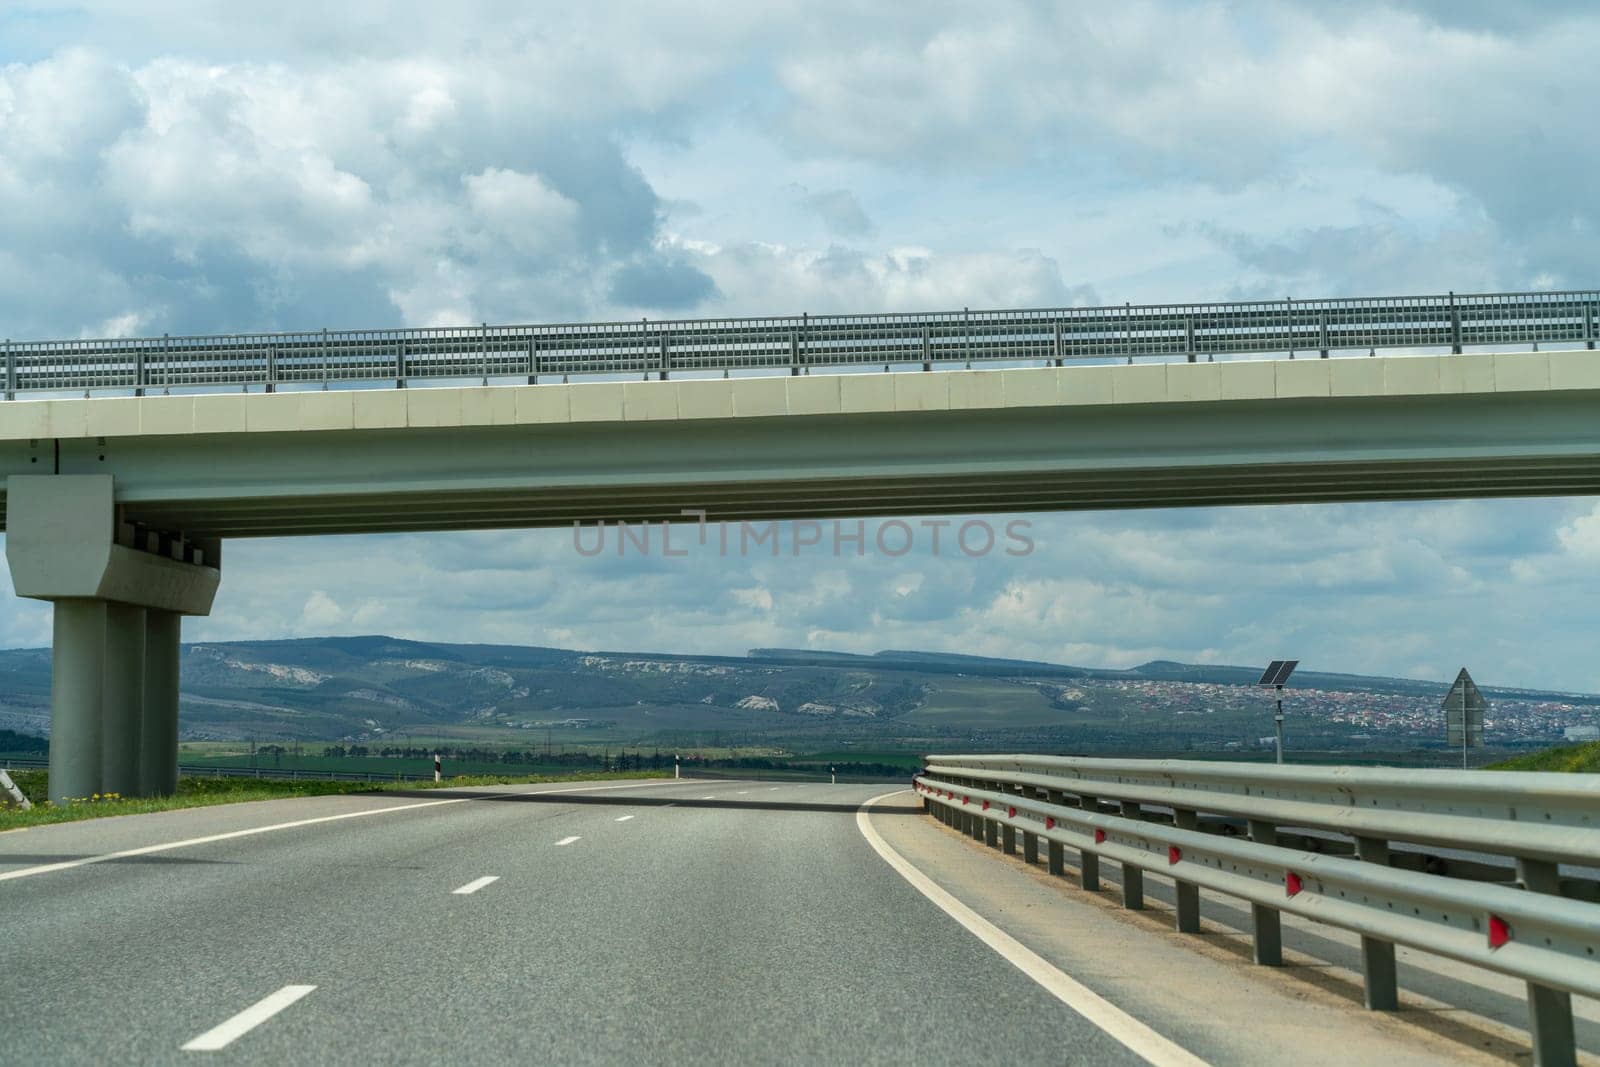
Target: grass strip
(202, 792)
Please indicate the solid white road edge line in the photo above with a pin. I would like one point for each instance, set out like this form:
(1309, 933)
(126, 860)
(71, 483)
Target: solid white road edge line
(622, 818)
(1130, 1032)
(227, 1033)
(568, 840)
(146, 850)
(476, 884)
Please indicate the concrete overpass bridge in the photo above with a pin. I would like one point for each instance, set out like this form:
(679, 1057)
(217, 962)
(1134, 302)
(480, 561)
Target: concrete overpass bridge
(116, 505)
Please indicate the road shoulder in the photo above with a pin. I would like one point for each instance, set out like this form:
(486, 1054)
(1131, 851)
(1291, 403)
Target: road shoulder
(1200, 991)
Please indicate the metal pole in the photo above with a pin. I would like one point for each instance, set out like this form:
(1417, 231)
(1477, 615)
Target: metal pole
(1277, 720)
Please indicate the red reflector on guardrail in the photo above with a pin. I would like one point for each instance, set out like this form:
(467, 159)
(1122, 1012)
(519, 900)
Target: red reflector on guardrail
(1499, 931)
(1174, 854)
(985, 805)
(1291, 883)
(1011, 813)
(1099, 836)
(966, 800)
(1049, 823)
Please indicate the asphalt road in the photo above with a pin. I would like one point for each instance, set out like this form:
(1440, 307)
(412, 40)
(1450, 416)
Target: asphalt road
(717, 922)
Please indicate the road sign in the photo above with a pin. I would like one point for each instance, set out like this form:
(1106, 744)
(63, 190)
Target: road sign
(1463, 714)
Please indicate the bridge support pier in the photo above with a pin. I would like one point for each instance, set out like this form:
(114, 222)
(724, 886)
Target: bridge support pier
(119, 591)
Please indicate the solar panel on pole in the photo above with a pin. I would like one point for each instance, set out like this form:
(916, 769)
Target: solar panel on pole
(1278, 671)
(1273, 677)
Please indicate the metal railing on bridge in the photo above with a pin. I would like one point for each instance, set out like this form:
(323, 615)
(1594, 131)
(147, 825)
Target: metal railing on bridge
(797, 344)
(1483, 885)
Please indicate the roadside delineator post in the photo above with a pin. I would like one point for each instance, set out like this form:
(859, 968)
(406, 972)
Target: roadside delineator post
(16, 794)
(677, 768)
(437, 767)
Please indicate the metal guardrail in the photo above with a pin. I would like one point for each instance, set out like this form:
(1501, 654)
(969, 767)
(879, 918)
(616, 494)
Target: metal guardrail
(794, 344)
(1317, 845)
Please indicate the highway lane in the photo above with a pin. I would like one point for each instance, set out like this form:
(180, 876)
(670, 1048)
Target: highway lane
(756, 926)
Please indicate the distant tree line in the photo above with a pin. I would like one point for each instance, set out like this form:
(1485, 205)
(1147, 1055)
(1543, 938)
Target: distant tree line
(605, 760)
(23, 744)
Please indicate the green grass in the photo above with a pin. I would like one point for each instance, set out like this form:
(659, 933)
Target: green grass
(1580, 759)
(985, 702)
(202, 792)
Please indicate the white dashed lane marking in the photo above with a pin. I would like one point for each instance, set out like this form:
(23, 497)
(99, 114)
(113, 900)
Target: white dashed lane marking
(227, 1033)
(475, 885)
(568, 840)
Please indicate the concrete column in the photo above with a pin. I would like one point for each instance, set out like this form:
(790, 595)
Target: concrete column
(66, 542)
(158, 748)
(76, 695)
(123, 701)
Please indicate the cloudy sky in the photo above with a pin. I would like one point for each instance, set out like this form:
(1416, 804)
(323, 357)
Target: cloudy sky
(245, 165)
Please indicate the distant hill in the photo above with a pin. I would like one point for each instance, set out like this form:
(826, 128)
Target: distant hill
(375, 687)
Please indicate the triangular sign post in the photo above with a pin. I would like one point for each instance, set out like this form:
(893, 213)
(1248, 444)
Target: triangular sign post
(1463, 715)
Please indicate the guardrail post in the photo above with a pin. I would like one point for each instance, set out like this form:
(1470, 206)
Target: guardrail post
(533, 361)
(400, 365)
(1322, 333)
(11, 371)
(1008, 833)
(1588, 326)
(1088, 862)
(272, 369)
(1132, 877)
(664, 358)
(1187, 893)
(1056, 851)
(138, 369)
(1549, 1010)
(927, 350)
(1030, 841)
(796, 343)
(1266, 922)
(1455, 326)
(1188, 337)
(991, 827)
(1382, 987)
